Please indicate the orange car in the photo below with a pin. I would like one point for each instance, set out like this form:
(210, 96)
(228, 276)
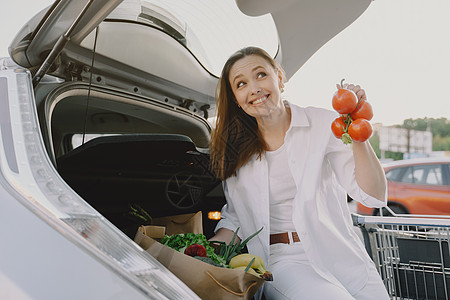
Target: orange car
(416, 186)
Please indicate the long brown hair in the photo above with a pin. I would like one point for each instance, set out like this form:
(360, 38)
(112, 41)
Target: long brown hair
(235, 138)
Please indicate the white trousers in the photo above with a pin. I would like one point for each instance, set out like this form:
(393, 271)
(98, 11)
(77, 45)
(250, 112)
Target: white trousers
(294, 278)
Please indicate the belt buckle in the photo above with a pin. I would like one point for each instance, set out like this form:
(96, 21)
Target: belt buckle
(290, 237)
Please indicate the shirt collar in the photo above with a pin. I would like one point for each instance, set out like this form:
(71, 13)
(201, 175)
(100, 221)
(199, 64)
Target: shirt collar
(298, 116)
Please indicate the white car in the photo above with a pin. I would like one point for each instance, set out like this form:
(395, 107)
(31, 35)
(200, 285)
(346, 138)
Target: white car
(106, 104)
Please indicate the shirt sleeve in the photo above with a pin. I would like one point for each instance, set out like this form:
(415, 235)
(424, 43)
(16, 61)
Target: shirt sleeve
(229, 218)
(342, 162)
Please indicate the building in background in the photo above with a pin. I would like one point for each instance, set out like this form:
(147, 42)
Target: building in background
(412, 143)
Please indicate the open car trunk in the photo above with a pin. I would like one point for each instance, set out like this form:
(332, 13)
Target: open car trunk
(139, 152)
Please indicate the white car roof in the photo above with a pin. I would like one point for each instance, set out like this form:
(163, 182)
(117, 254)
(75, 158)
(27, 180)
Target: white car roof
(414, 161)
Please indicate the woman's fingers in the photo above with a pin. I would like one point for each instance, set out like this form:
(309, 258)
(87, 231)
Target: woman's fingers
(360, 93)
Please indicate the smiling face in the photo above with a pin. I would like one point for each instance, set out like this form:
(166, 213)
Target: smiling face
(256, 85)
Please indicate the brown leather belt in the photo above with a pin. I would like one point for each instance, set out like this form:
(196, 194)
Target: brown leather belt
(283, 238)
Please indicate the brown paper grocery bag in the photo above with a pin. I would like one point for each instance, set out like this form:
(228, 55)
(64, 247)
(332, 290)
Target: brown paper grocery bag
(207, 281)
(181, 223)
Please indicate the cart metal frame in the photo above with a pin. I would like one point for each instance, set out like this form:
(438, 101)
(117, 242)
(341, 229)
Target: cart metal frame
(411, 253)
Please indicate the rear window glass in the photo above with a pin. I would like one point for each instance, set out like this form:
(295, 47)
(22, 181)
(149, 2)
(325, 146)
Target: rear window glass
(393, 174)
(433, 175)
(424, 174)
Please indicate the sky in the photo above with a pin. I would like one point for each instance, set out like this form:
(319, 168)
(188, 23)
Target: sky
(398, 51)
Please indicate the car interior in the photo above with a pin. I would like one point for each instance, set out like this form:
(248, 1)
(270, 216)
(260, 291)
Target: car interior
(140, 152)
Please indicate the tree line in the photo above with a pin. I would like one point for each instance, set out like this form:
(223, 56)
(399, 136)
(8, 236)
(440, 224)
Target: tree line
(440, 128)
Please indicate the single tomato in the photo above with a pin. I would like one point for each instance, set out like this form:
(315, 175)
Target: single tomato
(360, 130)
(363, 111)
(338, 127)
(344, 101)
(196, 250)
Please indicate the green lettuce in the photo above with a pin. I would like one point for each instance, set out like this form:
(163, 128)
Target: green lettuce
(181, 241)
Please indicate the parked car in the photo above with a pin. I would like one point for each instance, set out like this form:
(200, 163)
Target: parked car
(105, 106)
(416, 186)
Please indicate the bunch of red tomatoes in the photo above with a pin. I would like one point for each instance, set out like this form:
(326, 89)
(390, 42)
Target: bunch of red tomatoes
(353, 123)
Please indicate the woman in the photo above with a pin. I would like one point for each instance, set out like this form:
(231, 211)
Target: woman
(283, 170)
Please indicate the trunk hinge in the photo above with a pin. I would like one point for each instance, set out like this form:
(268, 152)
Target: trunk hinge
(58, 47)
(73, 71)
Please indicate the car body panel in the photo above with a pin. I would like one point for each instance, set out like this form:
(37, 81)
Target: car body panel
(170, 61)
(421, 198)
(46, 254)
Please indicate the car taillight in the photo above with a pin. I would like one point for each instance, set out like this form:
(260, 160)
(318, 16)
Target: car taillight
(28, 169)
(214, 215)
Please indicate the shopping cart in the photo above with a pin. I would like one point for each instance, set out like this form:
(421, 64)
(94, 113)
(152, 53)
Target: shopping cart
(411, 253)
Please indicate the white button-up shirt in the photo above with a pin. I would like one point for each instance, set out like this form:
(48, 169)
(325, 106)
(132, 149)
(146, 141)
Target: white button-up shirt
(324, 171)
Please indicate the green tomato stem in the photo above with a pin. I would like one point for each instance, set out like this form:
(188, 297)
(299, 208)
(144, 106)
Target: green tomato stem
(346, 138)
(347, 121)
